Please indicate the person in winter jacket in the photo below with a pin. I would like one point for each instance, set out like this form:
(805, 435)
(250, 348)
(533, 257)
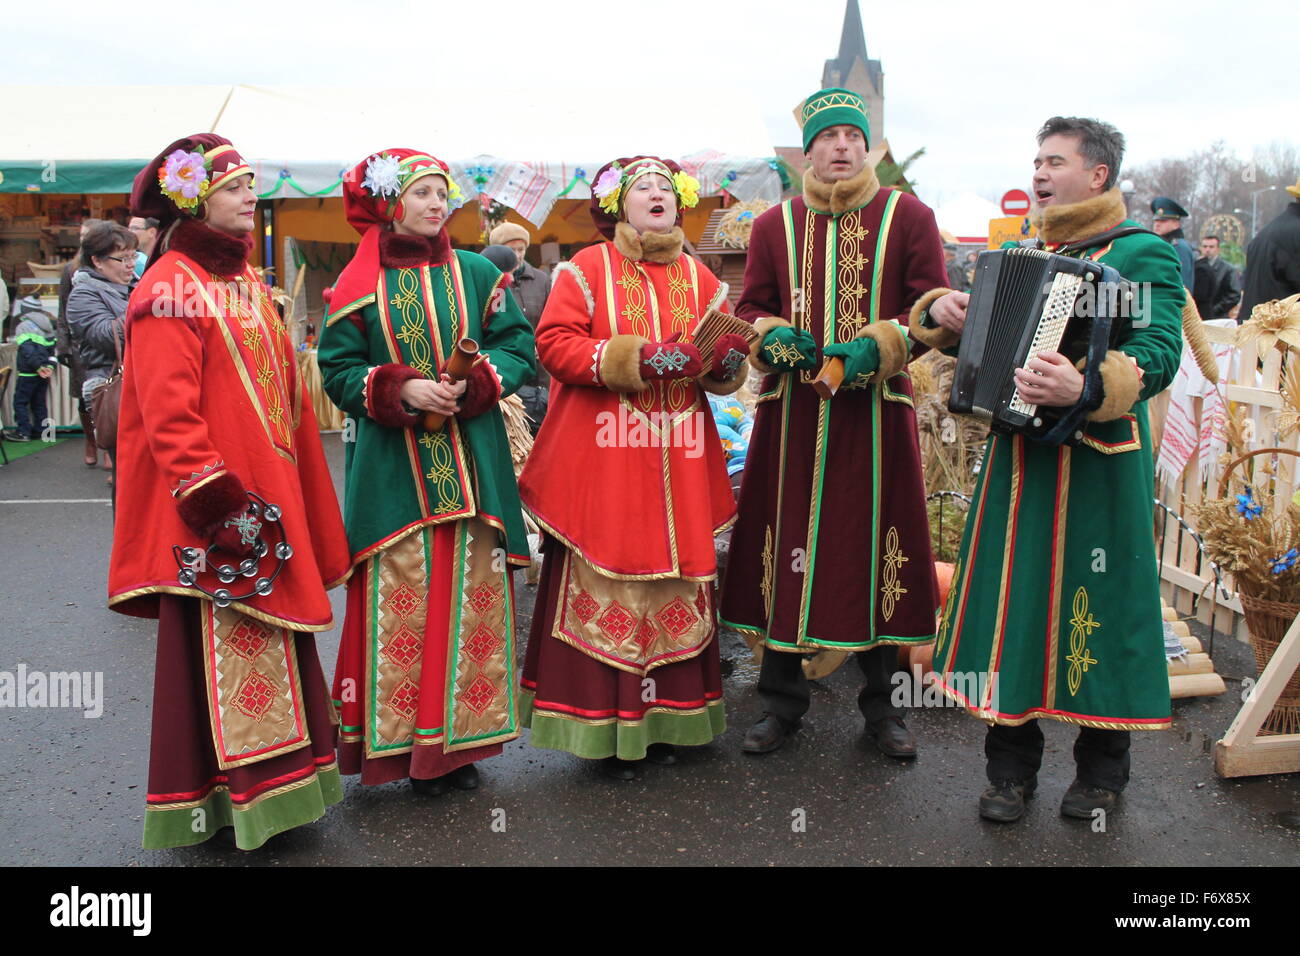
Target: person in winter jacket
(36, 341)
(97, 303)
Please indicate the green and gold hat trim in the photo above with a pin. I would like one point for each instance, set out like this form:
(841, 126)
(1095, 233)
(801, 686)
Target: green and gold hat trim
(832, 107)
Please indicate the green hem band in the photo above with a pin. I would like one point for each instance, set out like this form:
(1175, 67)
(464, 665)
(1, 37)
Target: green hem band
(626, 740)
(811, 643)
(164, 829)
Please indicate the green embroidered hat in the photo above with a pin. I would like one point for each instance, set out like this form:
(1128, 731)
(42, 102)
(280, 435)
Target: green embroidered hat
(832, 107)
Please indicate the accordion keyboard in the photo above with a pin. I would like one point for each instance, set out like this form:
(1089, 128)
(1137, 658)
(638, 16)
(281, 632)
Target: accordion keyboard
(1057, 311)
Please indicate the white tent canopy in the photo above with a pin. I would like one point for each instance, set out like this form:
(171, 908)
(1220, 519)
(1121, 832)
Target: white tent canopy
(522, 145)
(967, 217)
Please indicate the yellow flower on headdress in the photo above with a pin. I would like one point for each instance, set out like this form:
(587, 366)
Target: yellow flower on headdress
(688, 189)
(609, 201)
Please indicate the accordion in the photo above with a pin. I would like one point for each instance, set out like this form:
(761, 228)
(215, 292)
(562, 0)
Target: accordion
(1023, 302)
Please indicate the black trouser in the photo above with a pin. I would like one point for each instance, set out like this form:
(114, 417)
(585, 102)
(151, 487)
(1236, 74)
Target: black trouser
(535, 399)
(1101, 757)
(784, 689)
(30, 390)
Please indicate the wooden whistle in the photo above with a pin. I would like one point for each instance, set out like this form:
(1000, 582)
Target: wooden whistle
(829, 378)
(462, 360)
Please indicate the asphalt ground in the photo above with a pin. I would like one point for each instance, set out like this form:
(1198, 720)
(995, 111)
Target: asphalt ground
(72, 788)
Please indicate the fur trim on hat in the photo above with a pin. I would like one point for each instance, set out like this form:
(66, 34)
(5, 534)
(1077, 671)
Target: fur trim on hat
(210, 503)
(384, 395)
(659, 247)
(398, 251)
(1120, 386)
(762, 326)
(507, 232)
(217, 252)
(1079, 220)
(482, 390)
(936, 338)
(840, 196)
(892, 343)
(620, 364)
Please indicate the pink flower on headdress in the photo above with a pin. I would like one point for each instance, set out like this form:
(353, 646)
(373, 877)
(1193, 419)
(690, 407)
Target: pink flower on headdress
(607, 188)
(184, 178)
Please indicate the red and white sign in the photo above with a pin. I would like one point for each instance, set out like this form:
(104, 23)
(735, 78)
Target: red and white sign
(1015, 202)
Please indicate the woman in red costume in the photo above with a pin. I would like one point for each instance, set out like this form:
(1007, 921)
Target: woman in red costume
(628, 481)
(227, 529)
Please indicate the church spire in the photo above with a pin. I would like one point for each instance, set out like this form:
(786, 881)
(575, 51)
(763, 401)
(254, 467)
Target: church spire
(853, 42)
(853, 49)
(853, 70)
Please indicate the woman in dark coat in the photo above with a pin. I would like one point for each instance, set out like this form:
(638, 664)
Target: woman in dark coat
(97, 303)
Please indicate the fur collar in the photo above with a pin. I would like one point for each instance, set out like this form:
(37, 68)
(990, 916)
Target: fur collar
(1079, 220)
(659, 247)
(842, 196)
(406, 252)
(219, 253)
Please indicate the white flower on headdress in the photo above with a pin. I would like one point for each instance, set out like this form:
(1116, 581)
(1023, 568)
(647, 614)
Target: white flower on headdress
(382, 176)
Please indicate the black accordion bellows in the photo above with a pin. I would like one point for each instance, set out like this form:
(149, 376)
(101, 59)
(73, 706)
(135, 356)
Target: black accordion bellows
(1027, 301)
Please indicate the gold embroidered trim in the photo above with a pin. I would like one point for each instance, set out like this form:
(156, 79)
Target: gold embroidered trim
(236, 605)
(890, 589)
(766, 586)
(1082, 624)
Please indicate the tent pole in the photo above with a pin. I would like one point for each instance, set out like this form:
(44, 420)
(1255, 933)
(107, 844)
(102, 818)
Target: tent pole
(221, 112)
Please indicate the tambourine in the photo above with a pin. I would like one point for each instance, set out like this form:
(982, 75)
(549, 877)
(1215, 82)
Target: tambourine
(250, 567)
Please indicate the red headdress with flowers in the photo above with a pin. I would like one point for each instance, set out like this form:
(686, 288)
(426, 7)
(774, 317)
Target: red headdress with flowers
(176, 182)
(372, 198)
(615, 178)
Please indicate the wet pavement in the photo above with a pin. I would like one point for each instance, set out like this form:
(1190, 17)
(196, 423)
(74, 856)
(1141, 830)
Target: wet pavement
(72, 788)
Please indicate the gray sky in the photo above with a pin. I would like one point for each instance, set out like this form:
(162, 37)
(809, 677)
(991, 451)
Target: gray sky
(969, 81)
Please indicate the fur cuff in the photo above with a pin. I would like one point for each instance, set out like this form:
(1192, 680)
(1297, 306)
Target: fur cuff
(620, 364)
(936, 338)
(482, 390)
(841, 195)
(1121, 387)
(659, 247)
(384, 395)
(892, 342)
(711, 384)
(212, 502)
(762, 327)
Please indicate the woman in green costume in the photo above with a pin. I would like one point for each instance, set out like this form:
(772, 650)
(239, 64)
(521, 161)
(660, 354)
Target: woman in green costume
(425, 681)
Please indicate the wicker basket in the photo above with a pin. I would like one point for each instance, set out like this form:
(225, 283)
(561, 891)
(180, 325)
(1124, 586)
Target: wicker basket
(1268, 622)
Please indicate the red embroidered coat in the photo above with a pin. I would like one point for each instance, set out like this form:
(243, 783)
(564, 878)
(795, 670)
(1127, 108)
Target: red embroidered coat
(633, 481)
(211, 389)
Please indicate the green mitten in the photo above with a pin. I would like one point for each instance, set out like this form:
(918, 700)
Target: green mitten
(861, 358)
(788, 349)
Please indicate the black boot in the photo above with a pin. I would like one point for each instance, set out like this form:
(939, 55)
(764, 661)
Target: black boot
(1004, 800)
(617, 769)
(429, 788)
(665, 755)
(768, 734)
(463, 778)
